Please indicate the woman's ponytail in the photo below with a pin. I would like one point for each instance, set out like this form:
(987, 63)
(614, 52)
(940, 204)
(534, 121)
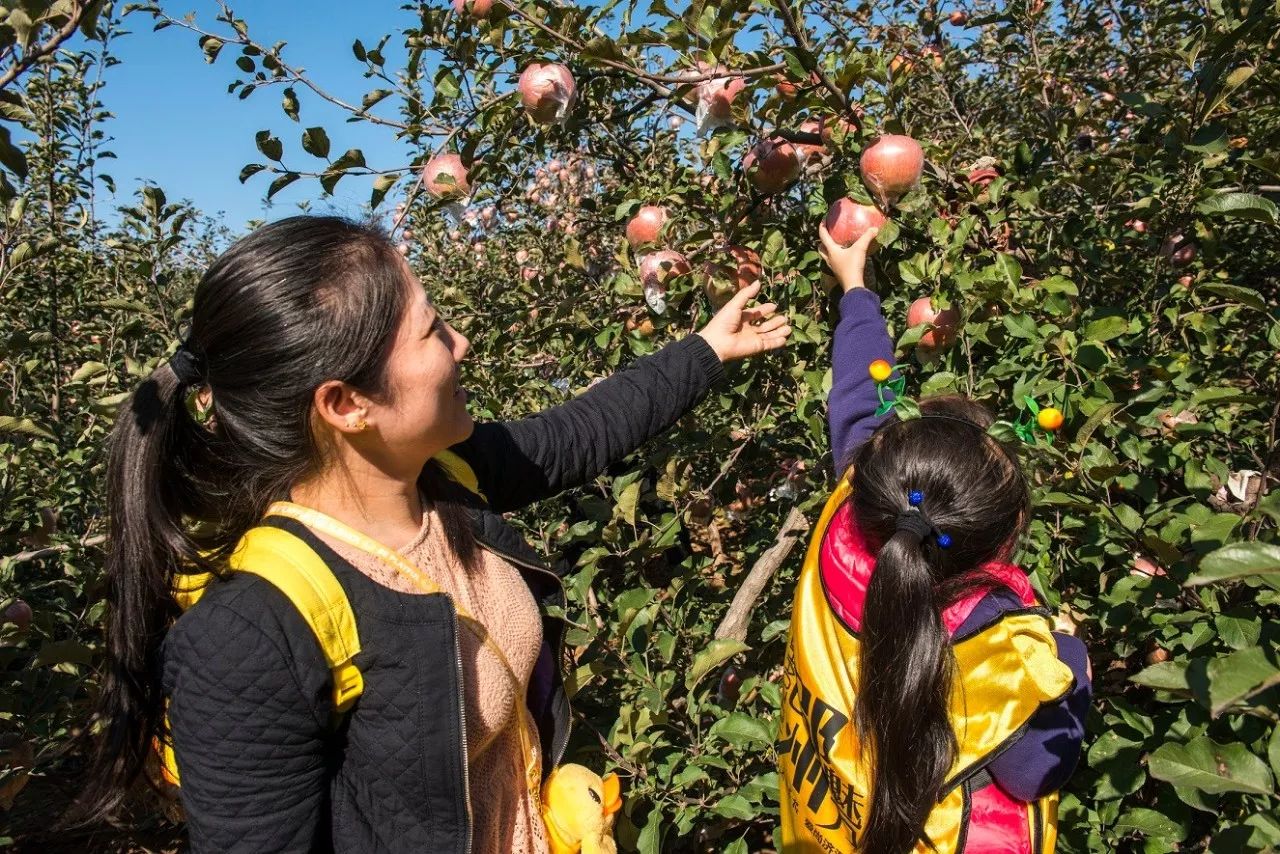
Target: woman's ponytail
(940, 498)
(150, 490)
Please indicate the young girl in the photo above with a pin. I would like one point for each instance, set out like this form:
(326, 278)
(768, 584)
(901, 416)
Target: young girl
(338, 426)
(927, 705)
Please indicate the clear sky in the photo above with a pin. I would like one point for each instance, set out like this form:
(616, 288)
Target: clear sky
(177, 126)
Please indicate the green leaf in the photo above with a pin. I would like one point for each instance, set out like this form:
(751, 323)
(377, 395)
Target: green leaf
(1150, 823)
(352, 158)
(315, 141)
(281, 182)
(1236, 677)
(290, 103)
(64, 652)
(1240, 560)
(741, 729)
(1235, 293)
(735, 806)
(628, 501)
(269, 145)
(211, 47)
(381, 185)
(1165, 676)
(650, 839)
(717, 652)
(11, 155)
(1106, 328)
(1241, 205)
(25, 426)
(1211, 767)
(87, 370)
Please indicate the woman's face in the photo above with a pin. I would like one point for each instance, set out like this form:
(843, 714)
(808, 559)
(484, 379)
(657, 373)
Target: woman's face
(426, 410)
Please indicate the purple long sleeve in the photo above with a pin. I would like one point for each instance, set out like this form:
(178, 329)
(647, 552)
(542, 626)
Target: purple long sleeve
(1043, 758)
(860, 338)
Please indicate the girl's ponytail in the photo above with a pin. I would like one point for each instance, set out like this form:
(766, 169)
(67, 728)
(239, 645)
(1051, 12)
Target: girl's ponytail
(904, 681)
(913, 482)
(150, 490)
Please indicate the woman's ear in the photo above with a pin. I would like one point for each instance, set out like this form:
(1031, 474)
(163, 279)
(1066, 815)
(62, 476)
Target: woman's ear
(341, 407)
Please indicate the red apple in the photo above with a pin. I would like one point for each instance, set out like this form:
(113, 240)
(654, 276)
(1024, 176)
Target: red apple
(806, 150)
(946, 324)
(718, 94)
(1146, 566)
(829, 125)
(772, 165)
(721, 280)
(476, 8)
(980, 178)
(1179, 250)
(958, 18)
(657, 267)
(19, 613)
(646, 226)
(547, 92)
(847, 220)
(445, 177)
(891, 167)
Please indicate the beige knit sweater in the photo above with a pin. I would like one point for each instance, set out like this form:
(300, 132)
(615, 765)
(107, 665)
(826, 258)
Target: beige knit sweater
(505, 814)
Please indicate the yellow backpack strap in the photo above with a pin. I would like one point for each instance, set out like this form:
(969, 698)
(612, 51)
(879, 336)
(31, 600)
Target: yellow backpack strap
(295, 569)
(459, 471)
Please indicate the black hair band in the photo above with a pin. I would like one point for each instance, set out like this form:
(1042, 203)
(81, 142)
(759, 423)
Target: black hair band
(187, 366)
(915, 523)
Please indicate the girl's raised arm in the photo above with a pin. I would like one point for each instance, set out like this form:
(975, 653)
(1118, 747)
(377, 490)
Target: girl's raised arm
(861, 337)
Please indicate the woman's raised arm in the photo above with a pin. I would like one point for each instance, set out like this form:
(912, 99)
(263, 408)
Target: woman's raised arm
(520, 462)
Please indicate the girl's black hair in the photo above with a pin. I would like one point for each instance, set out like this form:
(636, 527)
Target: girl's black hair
(975, 492)
(292, 305)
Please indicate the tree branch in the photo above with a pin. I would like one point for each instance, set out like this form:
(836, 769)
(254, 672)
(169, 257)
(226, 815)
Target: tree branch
(53, 43)
(735, 622)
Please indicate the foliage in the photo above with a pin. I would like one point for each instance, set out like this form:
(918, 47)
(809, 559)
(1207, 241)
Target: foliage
(1114, 130)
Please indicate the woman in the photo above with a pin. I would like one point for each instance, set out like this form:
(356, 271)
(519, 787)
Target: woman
(335, 388)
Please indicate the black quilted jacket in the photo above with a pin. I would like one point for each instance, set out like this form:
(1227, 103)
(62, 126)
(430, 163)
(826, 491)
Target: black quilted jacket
(267, 765)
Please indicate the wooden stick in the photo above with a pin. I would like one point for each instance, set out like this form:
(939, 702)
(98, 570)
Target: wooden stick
(734, 625)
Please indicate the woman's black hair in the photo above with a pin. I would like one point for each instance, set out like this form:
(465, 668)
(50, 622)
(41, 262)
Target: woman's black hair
(292, 305)
(973, 491)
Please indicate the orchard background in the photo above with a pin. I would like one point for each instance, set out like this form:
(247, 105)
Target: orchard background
(1098, 204)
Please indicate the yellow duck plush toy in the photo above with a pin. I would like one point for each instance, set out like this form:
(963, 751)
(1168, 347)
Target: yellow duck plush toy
(578, 807)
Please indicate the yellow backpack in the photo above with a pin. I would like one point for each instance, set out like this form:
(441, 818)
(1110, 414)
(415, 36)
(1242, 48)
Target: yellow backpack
(295, 569)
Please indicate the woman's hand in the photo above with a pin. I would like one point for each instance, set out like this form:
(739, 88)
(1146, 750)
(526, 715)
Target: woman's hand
(737, 331)
(847, 262)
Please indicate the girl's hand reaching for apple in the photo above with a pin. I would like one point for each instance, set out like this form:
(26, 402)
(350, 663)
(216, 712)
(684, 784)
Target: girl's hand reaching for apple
(849, 263)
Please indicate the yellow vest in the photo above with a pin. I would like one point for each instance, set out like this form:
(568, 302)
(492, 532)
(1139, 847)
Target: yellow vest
(1004, 673)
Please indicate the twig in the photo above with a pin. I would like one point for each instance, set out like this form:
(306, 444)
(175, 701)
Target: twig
(50, 551)
(806, 54)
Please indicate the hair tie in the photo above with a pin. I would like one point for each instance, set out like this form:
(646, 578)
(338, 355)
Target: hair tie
(187, 365)
(914, 523)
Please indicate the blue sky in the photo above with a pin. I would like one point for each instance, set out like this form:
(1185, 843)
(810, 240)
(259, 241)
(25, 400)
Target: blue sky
(177, 126)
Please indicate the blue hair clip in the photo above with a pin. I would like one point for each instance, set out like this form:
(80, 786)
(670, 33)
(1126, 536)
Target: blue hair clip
(944, 541)
(915, 497)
